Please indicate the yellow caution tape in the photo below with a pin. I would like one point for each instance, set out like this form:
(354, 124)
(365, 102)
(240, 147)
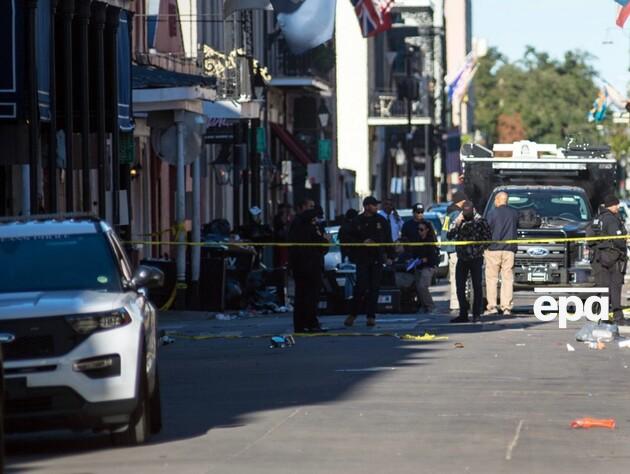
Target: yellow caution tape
(539, 240)
(170, 301)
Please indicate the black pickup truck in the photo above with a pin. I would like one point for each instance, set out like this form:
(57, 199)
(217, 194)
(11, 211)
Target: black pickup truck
(556, 193)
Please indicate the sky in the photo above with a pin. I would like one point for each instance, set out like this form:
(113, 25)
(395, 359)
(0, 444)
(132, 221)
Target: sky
(556, 26)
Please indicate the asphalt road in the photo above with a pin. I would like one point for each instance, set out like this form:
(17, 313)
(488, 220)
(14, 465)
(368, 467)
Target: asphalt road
(369, 403)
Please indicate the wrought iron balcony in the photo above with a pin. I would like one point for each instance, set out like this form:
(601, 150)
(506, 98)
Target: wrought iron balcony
(385, 104)
(317, 63)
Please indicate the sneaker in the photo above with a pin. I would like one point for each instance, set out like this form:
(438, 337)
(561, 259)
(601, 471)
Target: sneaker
(476, 319)
(507, 312)
(315, 329)
(349, 321)
(491, 312)
(371, 322)
(459, 319)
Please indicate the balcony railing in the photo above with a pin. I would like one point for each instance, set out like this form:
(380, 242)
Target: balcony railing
(317, 63)
(385, 103)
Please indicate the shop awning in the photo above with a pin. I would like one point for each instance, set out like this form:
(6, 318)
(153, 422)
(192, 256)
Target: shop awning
(291, 144)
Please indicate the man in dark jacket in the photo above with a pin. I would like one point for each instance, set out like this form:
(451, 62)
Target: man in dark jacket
(609, 263)
(453, 211)
(410, 228)
(469, 226)
(369, 228)
(307, 263)
(503, 222)
(345, 234)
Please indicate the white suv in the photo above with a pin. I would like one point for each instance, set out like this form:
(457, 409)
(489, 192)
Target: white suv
(85, 345)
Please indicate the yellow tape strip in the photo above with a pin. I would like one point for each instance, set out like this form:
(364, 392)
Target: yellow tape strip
(447, 243)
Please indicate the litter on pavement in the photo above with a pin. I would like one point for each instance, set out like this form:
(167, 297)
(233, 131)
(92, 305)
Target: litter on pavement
(279, 342)
(166, 340)
(427, 337)
(570, 348)
(592, 332)
(624, 344)
(459, 345)
(608, 423)
(599, 345)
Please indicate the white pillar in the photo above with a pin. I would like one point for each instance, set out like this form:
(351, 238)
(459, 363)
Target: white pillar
(26, 190)
(180, 213)
(196, 219)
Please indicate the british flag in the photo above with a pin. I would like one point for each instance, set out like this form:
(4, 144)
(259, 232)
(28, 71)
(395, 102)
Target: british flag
(374, 15)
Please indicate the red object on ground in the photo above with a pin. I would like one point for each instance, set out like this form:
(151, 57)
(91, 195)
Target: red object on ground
(593, 423)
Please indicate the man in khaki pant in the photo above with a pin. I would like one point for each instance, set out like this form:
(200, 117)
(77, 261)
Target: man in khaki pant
(499, 258)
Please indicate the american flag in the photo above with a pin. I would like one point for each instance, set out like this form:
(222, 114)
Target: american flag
(374, 15)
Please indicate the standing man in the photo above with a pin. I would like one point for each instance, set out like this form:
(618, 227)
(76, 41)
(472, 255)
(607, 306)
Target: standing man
(369, 228)
(410, 228)
(307, 263)
(469, 226)
(345, 234)
(452, 213)
(610, 260)
(391, 215)
(503, 222)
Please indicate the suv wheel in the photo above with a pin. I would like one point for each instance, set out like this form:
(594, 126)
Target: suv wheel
(137, 431)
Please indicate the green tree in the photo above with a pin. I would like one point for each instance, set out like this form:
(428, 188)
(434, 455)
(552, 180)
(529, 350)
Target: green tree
(551, 97)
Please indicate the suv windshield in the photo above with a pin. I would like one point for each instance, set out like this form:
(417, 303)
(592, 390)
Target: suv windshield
(549, 203)
(57, 262)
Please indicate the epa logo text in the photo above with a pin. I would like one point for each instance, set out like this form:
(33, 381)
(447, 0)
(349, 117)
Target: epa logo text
(594, 307)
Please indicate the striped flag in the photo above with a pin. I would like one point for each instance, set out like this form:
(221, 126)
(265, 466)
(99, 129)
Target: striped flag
(600, 106)
(374, 15)
(624, 12)
(459, 84)
(615, 97)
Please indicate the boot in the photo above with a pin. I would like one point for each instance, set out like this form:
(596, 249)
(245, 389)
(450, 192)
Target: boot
(349, 320)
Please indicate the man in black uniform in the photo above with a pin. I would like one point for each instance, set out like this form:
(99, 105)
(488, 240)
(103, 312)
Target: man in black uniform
(307, 264)
(610, 259)
(369, 227)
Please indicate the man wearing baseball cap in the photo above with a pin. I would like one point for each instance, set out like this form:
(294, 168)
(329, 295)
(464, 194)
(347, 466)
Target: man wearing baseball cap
(410, 228)
(610, 260)
(452, 213)
(369, 228)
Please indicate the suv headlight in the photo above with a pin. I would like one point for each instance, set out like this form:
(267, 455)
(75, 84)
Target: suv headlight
(584, 253)
(86, 324)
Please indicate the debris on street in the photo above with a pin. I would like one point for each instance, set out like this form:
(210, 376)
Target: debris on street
(427, 337)
(280, 342)
(608, 423)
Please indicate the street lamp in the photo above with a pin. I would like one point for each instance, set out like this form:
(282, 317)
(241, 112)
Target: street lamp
(222, 168)
(324, 117)
(259, 85)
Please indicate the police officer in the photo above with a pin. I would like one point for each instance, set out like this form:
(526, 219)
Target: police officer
(610, 259)
(307, 263)
(452, 213)
(369, 227)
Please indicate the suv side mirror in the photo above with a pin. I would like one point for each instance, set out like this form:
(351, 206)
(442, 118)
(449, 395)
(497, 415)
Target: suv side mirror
(147, 277)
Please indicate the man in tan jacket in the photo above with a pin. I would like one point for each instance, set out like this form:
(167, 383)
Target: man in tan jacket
(503, 221)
